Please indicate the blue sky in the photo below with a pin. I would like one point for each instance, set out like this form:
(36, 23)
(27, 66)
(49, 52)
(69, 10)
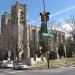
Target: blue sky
(36, 6)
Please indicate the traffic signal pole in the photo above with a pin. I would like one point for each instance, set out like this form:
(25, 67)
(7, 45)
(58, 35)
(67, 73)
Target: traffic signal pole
(44, 5)
(44, 19)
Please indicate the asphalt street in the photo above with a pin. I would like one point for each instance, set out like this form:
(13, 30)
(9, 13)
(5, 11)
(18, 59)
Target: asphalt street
(62, 71)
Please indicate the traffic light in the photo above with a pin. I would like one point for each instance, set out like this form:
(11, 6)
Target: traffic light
(42, 17)
(46, 16)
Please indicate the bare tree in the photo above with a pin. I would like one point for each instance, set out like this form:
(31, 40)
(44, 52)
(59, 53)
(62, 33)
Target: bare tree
(71, 22)
(10, 41)
(18, 47)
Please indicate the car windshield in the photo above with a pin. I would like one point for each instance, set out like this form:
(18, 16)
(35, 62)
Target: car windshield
(21, 64)
(9, 63)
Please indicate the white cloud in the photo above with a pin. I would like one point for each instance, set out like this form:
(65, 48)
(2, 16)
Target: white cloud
(64, 28)
(67, 28)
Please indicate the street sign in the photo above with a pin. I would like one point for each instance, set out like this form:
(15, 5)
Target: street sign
(48, 34)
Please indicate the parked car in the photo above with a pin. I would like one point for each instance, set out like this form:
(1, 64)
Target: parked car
(7, 64)
(20, 66)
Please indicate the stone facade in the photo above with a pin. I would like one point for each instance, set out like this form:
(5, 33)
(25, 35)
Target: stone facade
(59, 38)
(4, 29)
(14, 27)
(20, 26)
(34, 40)
(53, 43)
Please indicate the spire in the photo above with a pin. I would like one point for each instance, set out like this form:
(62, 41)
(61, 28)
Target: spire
(17, 1)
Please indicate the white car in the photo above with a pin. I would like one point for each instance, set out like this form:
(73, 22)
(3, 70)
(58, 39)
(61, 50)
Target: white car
(7, 64)
(20, 66)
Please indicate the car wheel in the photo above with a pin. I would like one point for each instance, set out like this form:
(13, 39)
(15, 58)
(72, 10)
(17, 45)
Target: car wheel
(19, 68)
(13, 67)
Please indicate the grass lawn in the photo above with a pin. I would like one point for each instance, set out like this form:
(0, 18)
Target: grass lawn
(56, 63)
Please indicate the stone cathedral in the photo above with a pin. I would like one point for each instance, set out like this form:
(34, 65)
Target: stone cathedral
(15, 29)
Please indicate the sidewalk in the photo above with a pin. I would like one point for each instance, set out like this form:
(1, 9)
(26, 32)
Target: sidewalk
(46, 67)
(52, 69)
(57, 64)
